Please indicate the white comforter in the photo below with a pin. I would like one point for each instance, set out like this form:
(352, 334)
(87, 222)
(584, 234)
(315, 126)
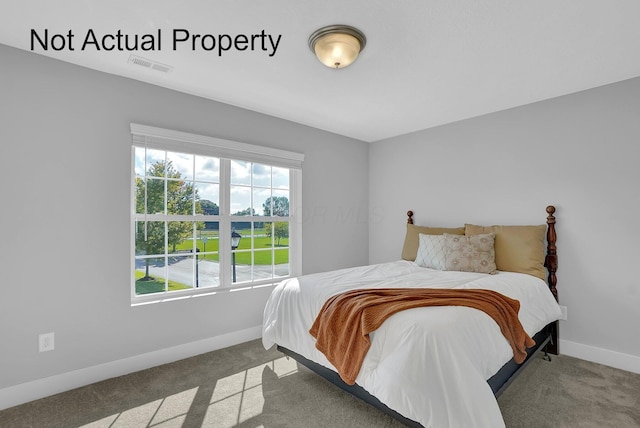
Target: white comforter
(429, 364)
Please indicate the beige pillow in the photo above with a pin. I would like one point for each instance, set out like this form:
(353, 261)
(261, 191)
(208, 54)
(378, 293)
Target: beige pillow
(410, 247)
(470, 253)
(518, 248)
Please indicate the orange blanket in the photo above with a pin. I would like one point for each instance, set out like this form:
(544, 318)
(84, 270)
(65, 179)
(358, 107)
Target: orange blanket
(343, 325)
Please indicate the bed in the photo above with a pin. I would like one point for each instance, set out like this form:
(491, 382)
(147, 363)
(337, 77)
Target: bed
(433, 366)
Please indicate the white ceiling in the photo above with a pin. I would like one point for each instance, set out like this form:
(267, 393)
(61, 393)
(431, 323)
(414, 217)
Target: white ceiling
(426, 63)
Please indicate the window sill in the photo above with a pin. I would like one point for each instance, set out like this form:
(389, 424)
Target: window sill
(173, 296)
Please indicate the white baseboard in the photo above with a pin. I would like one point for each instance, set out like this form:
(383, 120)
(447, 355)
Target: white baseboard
(618, 360)
(29, 391)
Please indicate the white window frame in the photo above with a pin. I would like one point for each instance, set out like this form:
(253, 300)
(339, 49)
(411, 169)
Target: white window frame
(226, 150)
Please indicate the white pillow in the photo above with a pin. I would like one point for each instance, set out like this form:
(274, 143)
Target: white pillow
(431, 251)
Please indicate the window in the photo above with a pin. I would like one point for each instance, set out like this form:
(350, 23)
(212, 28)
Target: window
(210, 214)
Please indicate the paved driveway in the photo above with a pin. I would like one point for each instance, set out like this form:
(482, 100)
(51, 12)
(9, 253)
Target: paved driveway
(209, 272)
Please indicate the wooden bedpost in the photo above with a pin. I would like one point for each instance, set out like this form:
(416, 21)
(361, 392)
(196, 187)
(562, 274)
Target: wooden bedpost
(551, 260)
(551, 263)
(410, 217)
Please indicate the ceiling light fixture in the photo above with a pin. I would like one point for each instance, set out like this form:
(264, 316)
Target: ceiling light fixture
(337, 46)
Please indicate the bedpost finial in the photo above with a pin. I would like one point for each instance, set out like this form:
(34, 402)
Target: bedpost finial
(550, 218)
(409, 217)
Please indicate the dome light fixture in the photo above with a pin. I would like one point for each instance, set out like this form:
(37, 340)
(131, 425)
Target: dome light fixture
(337, 46)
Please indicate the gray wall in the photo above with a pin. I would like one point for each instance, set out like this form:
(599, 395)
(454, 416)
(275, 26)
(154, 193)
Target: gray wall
(64, 238)
(64, 243)
(578, 152)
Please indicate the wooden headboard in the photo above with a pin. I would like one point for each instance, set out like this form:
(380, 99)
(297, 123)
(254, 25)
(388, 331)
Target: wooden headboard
(551, 258)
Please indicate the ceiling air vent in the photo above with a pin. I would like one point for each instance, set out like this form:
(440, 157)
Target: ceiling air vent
(147, 63)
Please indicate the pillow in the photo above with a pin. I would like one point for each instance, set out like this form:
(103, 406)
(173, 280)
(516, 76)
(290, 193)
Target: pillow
(410, 247)
(518, 248)
(473, 253)
(431, 251)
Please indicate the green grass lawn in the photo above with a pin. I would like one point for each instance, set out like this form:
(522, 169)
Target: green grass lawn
(281, 253)
(155, 285)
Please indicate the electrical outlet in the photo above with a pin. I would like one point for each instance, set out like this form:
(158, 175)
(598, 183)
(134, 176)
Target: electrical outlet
(46, 342)
(564, 313)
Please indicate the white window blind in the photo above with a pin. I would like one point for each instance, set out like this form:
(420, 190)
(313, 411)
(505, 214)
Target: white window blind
(168, 139)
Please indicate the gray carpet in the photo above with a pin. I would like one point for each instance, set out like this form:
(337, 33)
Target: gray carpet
(572, 393)
(246, 386)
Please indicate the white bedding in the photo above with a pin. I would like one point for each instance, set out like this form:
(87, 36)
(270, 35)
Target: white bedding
(429, 364)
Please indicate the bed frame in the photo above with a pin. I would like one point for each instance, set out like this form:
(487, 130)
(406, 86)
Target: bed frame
(546, 341)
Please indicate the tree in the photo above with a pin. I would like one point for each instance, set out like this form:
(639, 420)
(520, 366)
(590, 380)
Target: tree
(247, 211)
(209, 208)
(150, 199)
(280, 230)
(280, 206)
(276, 206)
